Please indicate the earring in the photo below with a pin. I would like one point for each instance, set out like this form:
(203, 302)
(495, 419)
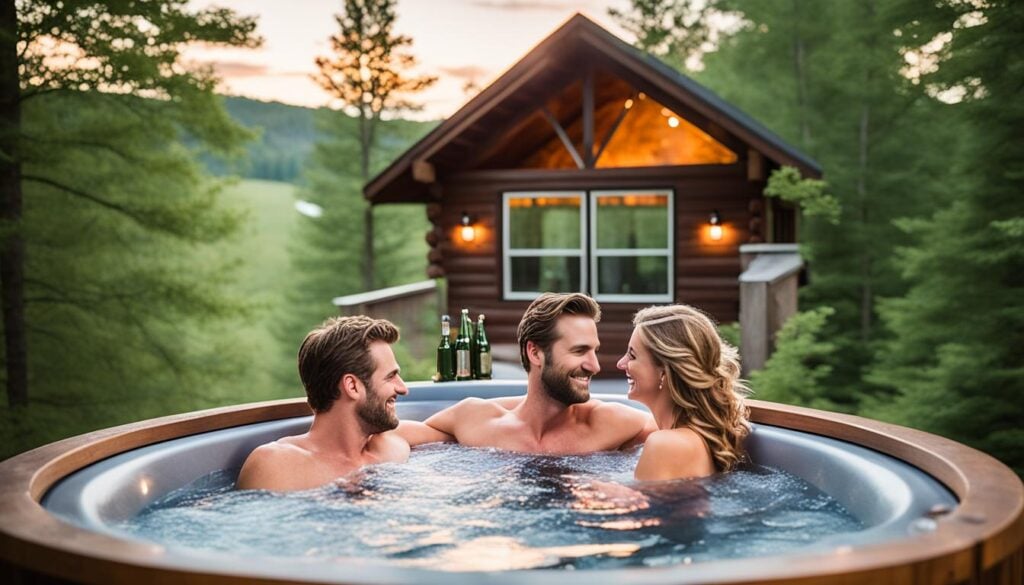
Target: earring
(661, 381)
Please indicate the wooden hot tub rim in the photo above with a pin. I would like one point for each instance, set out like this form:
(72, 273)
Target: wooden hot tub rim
(984, 532)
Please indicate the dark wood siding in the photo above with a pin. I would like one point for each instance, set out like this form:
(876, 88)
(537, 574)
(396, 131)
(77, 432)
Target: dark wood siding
(705, 273)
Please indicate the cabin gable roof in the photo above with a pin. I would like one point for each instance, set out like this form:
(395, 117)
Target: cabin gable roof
(549, 69)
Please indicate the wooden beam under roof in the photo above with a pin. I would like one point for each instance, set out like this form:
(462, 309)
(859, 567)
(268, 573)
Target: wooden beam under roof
(423, 171)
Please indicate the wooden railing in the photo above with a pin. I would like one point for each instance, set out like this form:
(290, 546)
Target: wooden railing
(409, 306)
(768, 289)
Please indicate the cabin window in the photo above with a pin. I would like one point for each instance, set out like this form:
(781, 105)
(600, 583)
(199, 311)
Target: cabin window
(615, 245)
(543, 243)
(631, 245)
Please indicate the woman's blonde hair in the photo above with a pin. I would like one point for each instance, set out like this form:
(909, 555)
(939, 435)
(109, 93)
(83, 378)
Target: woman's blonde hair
(702, 377)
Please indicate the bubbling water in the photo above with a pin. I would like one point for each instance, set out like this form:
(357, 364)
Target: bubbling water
(458, 508)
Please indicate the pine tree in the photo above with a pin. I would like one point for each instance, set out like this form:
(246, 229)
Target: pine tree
(798, 371)
(327, 251)
(955, 362)
(827, 77)
(368, 74)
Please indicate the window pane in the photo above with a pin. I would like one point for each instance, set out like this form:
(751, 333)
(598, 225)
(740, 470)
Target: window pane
(546, 274)
(544, 222)
(630, 221)
(632, 275)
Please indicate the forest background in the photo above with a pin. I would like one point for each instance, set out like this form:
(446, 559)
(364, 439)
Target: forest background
(138, 303)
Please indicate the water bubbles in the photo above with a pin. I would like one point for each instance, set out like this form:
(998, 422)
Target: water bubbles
(452, 505)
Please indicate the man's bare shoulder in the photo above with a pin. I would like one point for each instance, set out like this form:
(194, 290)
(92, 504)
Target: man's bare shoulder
(266, 467)
(487, 406)
(283, 449)
(389, 446)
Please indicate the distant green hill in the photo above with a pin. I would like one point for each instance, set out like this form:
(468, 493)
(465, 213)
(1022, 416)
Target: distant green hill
(286, 137)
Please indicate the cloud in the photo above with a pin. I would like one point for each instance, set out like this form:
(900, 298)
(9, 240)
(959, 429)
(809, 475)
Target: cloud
(241, 69)
(237, 68)
(527, 5)
(470, 72)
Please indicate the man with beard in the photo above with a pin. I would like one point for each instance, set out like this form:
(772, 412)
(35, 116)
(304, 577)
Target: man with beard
(352, 380)
(558, 348)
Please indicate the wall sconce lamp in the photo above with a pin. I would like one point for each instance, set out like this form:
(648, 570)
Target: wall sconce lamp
(715, 221)
(467, 231)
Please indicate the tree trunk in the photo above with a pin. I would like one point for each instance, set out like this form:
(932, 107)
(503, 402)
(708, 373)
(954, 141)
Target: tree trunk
(866, 300)
(12, 253)
(863, 139)
(800, 67)
(365, 145)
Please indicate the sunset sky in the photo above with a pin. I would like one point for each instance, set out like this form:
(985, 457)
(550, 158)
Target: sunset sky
(457, 40)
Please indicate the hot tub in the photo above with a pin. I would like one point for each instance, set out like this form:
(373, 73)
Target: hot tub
(934, 510)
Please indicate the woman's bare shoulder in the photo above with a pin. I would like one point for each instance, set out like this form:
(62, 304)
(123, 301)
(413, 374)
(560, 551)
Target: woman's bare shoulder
(681, 441)
(674, 454)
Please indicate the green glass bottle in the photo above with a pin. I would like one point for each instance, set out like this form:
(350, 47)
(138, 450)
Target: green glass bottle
(482, 351)
(445, 353)
(463, 366)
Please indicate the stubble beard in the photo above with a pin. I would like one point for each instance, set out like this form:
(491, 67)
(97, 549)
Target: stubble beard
(559, 385)
(374, 413)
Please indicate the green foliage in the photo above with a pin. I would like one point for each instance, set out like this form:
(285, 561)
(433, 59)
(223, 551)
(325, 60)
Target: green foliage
(327, 251)
(672, 30)
(954, 364)
(730, 333)
(826, 77)
(368, 72)
(797, 372)
(369, 66)
(286, 135)
(128, 311)
(351, 247)
(787, 184)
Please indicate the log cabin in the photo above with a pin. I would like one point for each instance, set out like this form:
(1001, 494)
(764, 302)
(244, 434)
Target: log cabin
(592, 166)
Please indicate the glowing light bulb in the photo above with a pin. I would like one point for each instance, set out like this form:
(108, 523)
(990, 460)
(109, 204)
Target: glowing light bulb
(715, 226)
(467, 231)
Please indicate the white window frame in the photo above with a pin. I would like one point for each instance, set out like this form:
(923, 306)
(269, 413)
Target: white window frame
(667, 251)
(508, 253)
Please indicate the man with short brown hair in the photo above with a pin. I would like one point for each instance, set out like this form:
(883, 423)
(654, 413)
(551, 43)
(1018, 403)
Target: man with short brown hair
(558, 346)
(352, 380)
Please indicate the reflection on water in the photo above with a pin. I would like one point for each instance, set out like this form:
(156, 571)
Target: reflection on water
(463, 509)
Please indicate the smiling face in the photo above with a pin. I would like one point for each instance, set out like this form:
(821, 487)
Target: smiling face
(571, 360)
(642, 373)
(377, 411)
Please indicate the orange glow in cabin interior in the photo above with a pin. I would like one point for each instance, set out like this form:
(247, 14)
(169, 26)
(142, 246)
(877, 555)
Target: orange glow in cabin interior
(544, 202)
(467, 233)
(633, 201)
(649, 135)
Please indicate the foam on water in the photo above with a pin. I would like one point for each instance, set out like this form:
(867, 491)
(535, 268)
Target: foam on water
(464, 509)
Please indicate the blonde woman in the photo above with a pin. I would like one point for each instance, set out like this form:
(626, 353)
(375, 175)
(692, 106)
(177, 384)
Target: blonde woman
(679, 367)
